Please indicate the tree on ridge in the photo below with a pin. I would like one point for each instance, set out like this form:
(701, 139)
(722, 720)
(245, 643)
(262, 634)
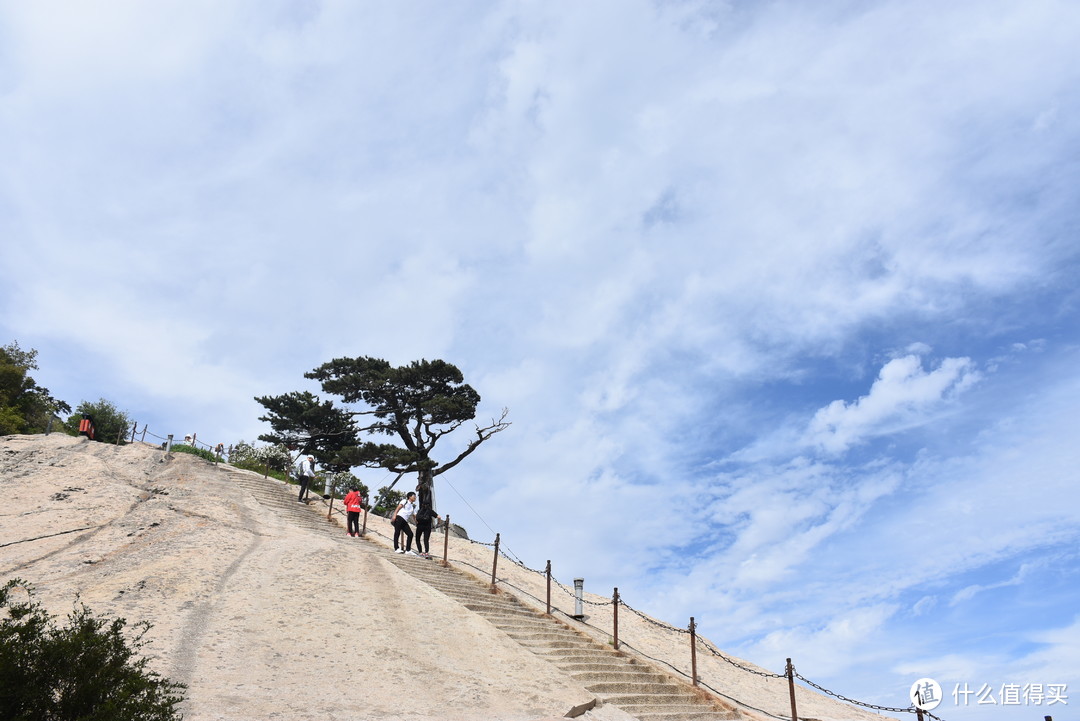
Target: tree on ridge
(25, 407)
(417, 404)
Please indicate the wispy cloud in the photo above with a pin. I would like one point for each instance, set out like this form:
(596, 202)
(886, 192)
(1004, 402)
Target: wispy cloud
(904, 395)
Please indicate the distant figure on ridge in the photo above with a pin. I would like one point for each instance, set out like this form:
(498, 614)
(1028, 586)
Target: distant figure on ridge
(404, 510)
(354, 503)
(305, 471)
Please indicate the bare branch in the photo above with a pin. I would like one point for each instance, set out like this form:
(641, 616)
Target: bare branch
(482, 434)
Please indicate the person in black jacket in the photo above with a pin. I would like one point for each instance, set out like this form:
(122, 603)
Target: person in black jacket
(423, 530)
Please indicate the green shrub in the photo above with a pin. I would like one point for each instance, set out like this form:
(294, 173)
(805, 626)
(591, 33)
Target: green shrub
(340, 483)
(259, 467)
(86, 671)
(200, 452)
(277, 457)
(110, 423)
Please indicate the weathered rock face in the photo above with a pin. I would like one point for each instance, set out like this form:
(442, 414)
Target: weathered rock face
(266, 609)
(258, 603)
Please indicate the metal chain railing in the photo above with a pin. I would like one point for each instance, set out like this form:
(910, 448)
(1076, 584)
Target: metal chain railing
(708, 646)
(874, 707)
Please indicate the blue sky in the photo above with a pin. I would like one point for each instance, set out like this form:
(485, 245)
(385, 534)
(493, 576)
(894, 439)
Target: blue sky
(782, 297)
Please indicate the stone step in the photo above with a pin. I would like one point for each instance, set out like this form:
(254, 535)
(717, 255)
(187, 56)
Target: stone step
(543, 643)
(662, 704)
(448, 585)
(606, 673)
(531, 626)
(583, 663)
(537, 626)
(567, 644)
(524, 622)
(539, 640)
(688, 715)
(645, 688)
(496, 609)
(593, 652)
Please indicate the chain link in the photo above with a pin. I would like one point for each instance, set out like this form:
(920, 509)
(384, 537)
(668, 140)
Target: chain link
(875, 707)
(653, 621)
(716, 652)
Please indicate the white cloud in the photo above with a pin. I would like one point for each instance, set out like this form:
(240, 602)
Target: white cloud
(822, 652)
(903, 396)
(969, 592)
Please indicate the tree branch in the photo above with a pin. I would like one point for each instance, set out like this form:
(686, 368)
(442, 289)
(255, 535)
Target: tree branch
(482, 434)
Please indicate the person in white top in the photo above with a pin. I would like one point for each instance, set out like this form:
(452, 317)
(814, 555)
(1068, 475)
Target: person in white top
(305, 471)
(405, 509)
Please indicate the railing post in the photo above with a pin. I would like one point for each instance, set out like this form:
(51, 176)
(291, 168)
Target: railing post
(143, 436)
(446, 541)
(494, 563)
(119, 435)
(615, 610)
(331, 508)
(791, 690)
(547, 572)
(364, 529)
(579, 590)
(168, 446)
(133, 429)
(693, 651)
(918, 714)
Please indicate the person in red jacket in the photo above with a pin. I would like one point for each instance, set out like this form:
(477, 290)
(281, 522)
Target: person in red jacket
(354, 503)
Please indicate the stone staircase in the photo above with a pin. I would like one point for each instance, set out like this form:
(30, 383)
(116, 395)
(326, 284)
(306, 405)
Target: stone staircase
(279, 497)
(613, 677)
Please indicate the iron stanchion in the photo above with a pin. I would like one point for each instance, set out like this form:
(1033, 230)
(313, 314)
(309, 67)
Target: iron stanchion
(494, 563)
(615, 610)
(791, 691)
(547, 573)
(693, 651)
(446, 541)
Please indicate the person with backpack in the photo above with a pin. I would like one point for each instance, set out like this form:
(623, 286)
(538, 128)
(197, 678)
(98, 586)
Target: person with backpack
(404, 511)
(305, 472)
(354, 503)
(423, 530)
